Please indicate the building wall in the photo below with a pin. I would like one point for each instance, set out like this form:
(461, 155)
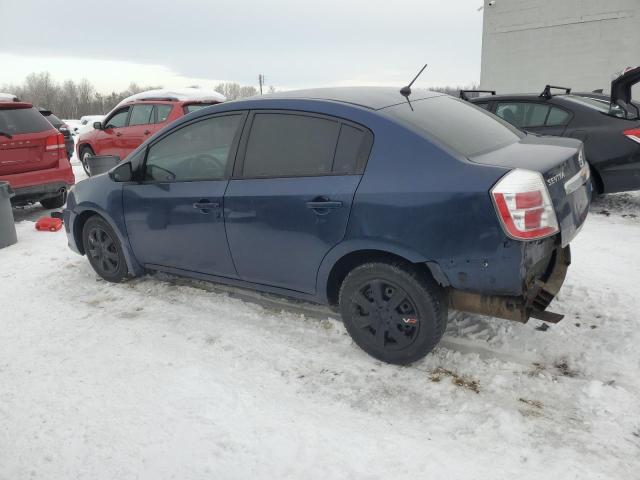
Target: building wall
(582, 44)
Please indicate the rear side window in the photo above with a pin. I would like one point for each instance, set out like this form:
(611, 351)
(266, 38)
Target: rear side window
(162, 112)
(286, 145)
(523, 114)
(459, 125)
(353, 149)
(141, 115)
(22, 120)
(557, 117)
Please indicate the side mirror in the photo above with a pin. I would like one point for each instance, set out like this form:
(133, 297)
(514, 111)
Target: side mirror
(122, 173)
(97, 125)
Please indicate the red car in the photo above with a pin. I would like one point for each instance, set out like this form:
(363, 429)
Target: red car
(33, 158)
(138, 117)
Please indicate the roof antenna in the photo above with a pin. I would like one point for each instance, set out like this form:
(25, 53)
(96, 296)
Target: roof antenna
(406, 91)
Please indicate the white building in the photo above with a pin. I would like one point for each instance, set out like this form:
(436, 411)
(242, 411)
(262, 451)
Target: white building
(582, 44)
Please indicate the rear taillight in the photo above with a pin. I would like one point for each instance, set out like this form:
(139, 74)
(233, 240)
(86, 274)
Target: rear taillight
(523, 205)
(55, 143)
(633, 134)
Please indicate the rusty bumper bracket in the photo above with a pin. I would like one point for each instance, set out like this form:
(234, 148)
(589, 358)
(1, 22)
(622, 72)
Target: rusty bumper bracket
(519, 309)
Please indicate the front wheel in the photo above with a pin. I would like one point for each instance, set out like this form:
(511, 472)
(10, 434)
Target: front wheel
(85, 153)
(393, 312)
(103, 250)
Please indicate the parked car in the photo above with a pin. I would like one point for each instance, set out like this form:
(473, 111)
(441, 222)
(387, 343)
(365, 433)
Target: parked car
(394, 209)
(62, 127)
(609, 126)
(138, 117)
(32, 156)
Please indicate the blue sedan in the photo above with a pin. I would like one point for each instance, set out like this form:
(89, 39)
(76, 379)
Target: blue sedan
(393, 208)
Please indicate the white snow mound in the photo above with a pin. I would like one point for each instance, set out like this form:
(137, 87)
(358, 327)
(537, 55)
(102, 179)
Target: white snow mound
(181, 94)
(8, 97)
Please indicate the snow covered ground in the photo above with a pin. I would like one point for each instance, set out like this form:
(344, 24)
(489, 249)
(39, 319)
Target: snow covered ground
(165, 378)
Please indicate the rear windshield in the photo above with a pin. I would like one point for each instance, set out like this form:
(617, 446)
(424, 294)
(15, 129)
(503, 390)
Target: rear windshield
(603, 106)
(196, 106)
(22, 120)
(461, 126)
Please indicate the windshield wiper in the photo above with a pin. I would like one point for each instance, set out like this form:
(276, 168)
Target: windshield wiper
(9, 136)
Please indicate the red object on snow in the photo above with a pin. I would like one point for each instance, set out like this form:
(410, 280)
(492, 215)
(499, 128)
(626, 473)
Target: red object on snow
(48, 224)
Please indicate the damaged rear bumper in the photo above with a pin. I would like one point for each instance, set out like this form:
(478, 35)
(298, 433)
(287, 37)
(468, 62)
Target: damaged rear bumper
(534, 303)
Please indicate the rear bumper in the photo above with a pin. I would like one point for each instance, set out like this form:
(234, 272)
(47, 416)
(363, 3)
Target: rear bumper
(63, 173)
(539, 292)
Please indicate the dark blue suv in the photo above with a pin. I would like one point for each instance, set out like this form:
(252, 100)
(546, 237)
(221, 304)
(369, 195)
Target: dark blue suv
(394, 208)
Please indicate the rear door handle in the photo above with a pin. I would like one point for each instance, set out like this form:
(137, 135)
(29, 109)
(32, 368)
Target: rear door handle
(118, 134)
(147, 132)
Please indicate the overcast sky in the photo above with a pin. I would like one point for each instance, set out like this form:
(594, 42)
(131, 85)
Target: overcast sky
(294, 43)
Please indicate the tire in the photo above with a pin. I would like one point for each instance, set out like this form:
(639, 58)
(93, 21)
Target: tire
(86, 152)
(393, 312)
(54, 202)
(103, 250)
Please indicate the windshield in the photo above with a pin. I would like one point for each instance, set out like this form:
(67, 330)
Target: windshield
(602, 105)
(22, 120)
(463, 127)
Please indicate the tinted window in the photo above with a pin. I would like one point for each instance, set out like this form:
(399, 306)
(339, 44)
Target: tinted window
(53, 120)
(523, 114)
(557, 116)
(22, 120)
(484, 105)
(283, 145)
(162, 112)
(458, 124)
(119, 119)
(141, 115)
(602, 106)
(352, 151)
(196, 107)
(199, 151)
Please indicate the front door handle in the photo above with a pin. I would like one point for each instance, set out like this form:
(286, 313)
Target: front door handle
(118, 134)
(204, 205)
(322, 205)
(147, 132)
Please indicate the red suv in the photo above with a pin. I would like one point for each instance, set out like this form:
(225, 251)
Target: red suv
(33, 158)
(137, 118)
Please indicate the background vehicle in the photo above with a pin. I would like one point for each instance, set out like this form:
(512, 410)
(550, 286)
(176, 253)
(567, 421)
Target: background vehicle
(138, 117)
(62, 127)
(32, 156)
(609, 126)
(393, 208)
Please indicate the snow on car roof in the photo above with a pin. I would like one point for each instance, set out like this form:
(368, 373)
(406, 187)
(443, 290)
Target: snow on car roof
(8, 97)
(180, 94)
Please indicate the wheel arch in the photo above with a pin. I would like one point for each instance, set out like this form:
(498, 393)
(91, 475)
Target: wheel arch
(81, 219)
(340, 261)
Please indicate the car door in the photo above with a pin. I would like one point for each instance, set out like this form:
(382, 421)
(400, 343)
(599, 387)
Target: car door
(289, 201)
(536, 117)
(137, 129)
(108, 138)
(173, 214)
(161, 118)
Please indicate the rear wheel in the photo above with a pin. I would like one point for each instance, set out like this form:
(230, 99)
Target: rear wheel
(103, 250)
(54, 202)
(85, 153)
(393, 312)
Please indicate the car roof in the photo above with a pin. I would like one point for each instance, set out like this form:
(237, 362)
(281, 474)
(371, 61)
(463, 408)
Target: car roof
(374, 98)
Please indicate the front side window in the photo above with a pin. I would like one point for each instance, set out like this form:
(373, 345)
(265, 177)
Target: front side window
(198, 151)
(119, 119)
(285, 145)
(194, 107)
(141, 115)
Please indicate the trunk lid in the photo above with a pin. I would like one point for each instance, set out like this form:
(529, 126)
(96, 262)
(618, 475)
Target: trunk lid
(23, 140)
(564, 169)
